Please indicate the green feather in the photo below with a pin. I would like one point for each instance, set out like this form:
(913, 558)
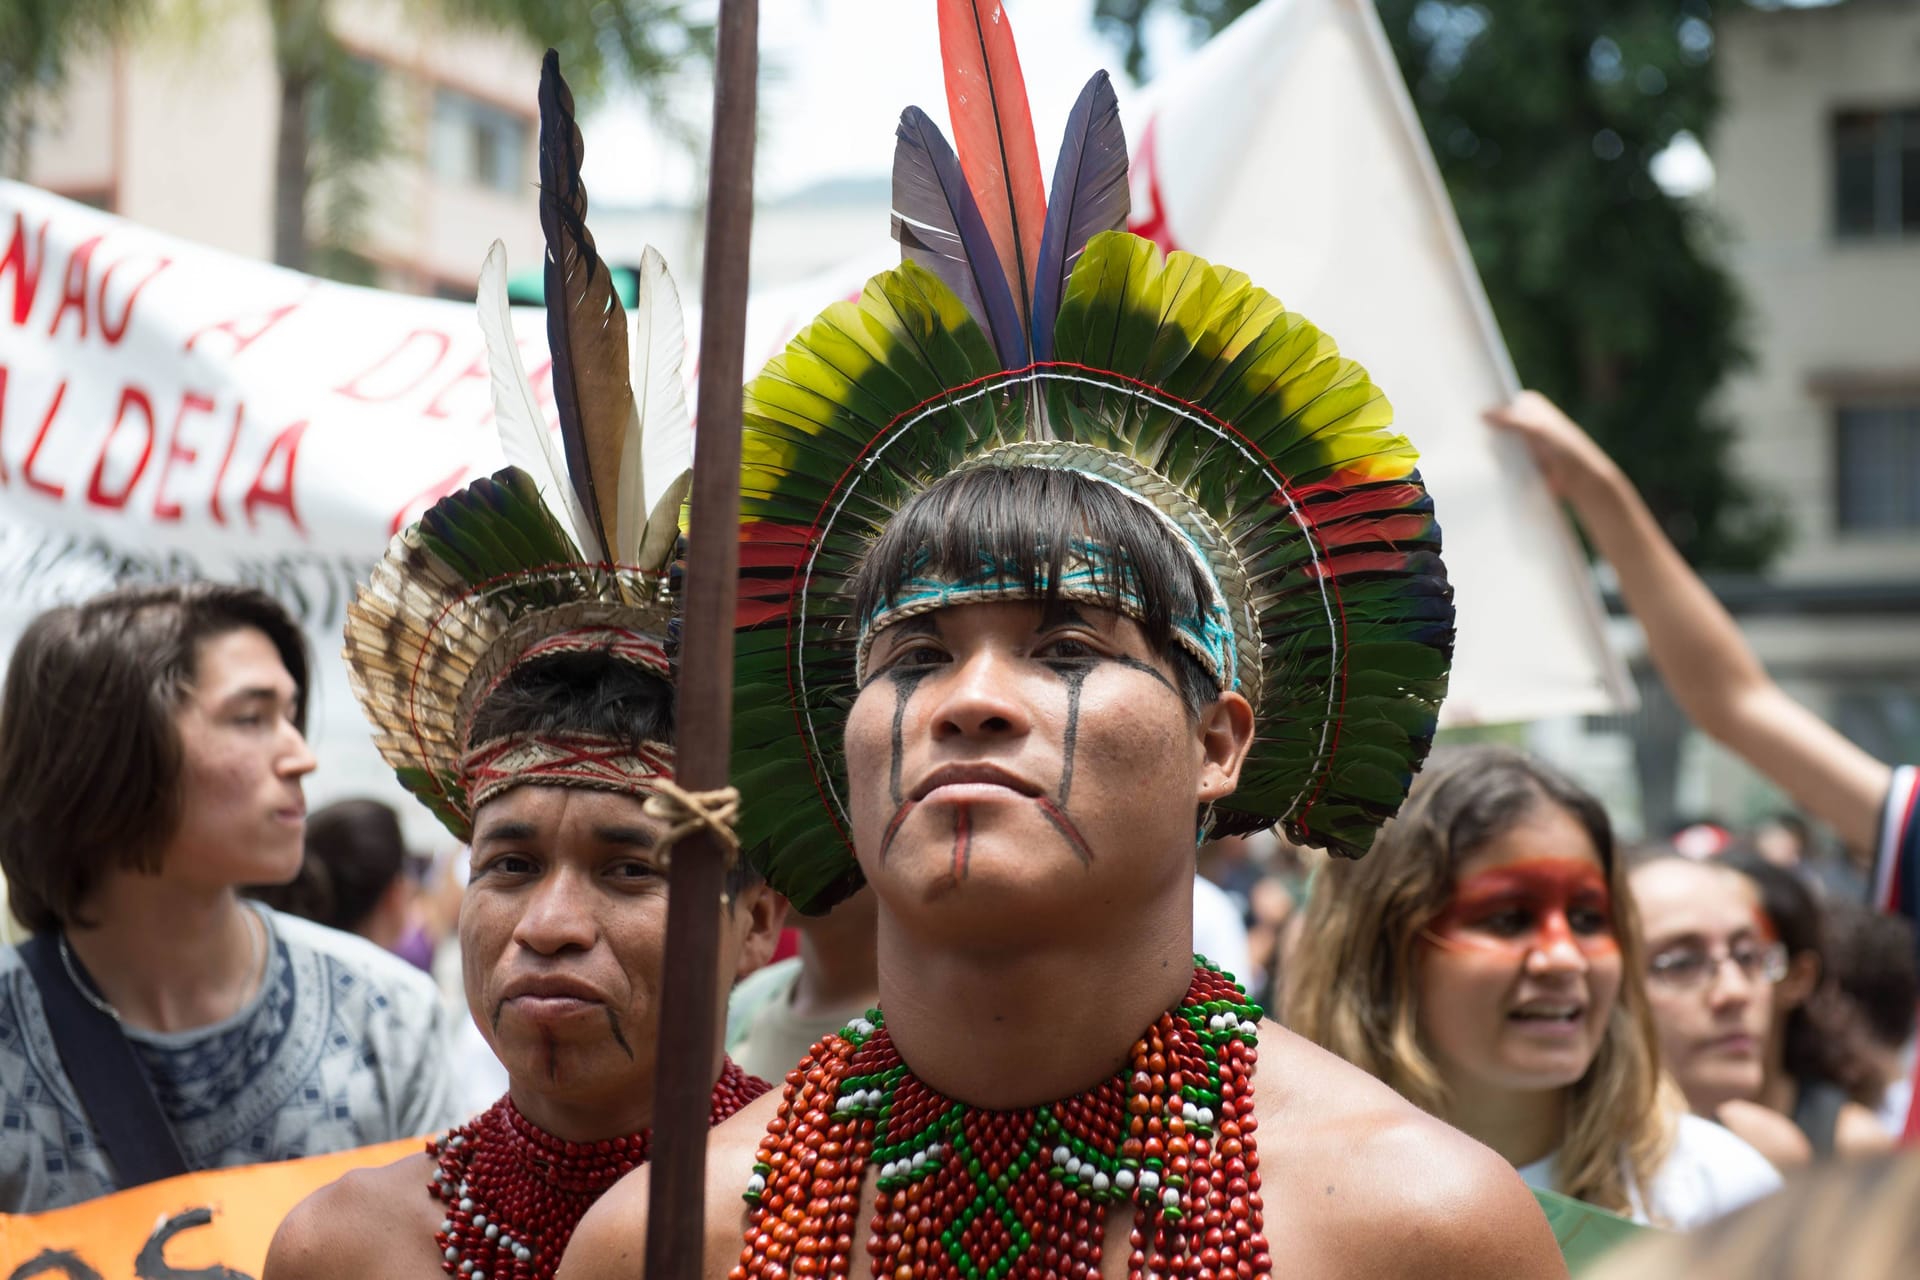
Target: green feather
(1354, 609)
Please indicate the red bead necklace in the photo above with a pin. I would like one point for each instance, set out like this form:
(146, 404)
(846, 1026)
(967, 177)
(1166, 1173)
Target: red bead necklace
(968, 1194)
(514, 1192)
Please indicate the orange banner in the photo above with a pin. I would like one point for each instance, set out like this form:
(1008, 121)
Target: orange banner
(201, 1225)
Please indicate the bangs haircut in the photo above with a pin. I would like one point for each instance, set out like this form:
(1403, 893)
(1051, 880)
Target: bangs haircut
(589, 693)
(1027, 519)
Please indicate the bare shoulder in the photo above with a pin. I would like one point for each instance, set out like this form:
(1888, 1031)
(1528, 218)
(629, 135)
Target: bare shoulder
(611, 1240)
(1773, 1135)
(1377, 1187)
(360, 1224)
(1858, 1132)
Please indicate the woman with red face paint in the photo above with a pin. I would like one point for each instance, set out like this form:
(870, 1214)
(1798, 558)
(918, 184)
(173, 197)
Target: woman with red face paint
(1713, 673)
(1484, 960)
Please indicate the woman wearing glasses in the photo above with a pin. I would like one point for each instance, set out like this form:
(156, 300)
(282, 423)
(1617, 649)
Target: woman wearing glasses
(1713, 959)
(1484, 959)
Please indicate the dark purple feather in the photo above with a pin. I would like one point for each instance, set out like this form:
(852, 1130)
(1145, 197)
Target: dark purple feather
(571, 259)
(1089, 196)
(939, 226)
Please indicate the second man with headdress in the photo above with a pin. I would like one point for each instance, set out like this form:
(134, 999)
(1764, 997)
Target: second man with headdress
(514, 652)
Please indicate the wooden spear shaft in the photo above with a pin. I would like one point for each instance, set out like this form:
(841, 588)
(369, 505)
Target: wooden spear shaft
(689, 1011)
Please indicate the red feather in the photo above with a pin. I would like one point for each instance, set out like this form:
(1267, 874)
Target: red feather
(993, 132)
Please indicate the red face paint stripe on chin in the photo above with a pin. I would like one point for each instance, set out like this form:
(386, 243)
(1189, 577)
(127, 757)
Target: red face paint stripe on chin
(962, 840)
(893, 828)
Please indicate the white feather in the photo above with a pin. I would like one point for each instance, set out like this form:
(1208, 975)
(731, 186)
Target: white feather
(524, 436)
(660, 392)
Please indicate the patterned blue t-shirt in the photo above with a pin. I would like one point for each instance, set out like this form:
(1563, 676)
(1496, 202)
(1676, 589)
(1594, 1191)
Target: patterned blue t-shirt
(343, 1046)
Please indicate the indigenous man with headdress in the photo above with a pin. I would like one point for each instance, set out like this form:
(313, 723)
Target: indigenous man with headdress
(1059, 557)
(513, 653)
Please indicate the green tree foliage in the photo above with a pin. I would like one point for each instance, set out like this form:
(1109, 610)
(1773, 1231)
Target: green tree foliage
(1545, 118)
(39, 40)
(335, 121)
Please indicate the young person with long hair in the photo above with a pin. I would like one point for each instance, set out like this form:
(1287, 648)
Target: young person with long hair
(151, 764)
(1484, 960)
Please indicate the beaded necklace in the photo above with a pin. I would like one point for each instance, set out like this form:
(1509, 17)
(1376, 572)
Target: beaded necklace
(969, 1194)
(514, 1192)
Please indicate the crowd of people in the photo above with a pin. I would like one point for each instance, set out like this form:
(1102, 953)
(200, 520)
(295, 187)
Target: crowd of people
(1029, 685)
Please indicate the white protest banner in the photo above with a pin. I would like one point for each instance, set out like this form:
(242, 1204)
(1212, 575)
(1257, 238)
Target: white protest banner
(168, 411)
(1288, 148)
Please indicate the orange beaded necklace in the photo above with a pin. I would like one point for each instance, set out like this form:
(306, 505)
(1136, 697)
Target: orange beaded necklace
(969, 1194)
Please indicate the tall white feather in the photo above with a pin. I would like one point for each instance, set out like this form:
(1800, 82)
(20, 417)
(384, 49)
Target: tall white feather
(665, 441)
(524, 436)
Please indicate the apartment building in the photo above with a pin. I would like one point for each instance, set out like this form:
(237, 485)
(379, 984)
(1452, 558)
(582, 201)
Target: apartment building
(176, 129)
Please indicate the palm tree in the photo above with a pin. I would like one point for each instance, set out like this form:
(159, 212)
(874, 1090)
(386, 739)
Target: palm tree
(332, 129)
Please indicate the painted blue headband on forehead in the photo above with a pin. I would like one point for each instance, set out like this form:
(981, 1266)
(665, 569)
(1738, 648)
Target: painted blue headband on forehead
(1088, 574)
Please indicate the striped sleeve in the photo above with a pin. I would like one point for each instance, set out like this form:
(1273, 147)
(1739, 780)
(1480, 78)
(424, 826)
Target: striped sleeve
(1896, 882)
(1896, 858)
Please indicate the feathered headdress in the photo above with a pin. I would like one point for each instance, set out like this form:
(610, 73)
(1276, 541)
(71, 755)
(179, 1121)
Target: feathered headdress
(1027, 329)
(566, 550)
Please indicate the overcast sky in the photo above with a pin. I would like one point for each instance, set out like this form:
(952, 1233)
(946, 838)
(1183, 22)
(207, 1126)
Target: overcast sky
(835, 76)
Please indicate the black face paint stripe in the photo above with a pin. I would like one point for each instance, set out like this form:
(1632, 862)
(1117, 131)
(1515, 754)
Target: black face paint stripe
(905, 681)
(619, 1037)
(1134, 664)
(1076, 677)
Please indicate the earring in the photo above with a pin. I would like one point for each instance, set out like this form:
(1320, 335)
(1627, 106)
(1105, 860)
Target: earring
(1206, 825)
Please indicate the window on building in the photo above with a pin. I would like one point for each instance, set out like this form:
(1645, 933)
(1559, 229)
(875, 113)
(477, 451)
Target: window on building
(1879, 471)
(1876, 164)
(478, 143)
